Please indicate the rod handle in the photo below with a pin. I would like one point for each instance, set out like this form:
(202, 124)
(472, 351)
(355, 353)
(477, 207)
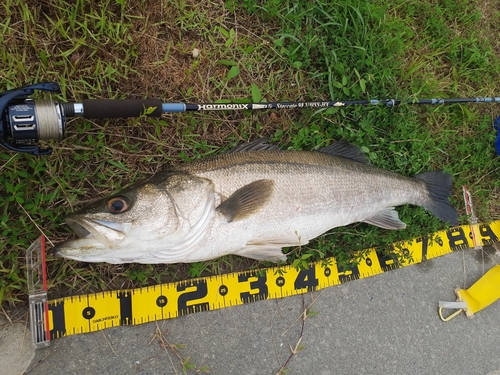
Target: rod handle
(99, 108)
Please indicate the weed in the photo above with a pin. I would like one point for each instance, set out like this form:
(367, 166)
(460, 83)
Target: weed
(139, 274)
(311, 313)
(175, 348)
(302, 262)
(196, 269)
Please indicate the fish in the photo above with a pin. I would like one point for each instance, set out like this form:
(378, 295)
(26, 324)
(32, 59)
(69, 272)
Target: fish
(252, 201)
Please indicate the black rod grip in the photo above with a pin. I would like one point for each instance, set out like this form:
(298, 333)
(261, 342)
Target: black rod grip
(98, 108)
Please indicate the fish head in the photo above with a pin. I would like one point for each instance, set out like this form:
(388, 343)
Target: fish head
(131, 225)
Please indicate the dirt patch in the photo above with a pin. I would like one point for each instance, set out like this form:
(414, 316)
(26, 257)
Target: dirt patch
(488, 27)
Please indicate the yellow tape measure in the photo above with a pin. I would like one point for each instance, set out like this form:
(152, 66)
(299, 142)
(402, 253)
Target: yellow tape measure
(93, 312)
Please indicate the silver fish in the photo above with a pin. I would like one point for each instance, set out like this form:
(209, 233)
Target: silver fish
(252, 202)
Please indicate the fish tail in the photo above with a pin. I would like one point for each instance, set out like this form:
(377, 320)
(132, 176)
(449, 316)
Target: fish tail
(439, 185)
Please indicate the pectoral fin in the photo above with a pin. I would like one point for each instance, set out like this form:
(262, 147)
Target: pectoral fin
(247, 200)
(387, 219)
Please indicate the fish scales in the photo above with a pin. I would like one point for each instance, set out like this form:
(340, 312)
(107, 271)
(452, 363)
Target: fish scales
(323, 181)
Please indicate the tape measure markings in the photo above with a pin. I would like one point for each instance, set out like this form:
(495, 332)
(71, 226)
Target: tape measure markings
(93, 312)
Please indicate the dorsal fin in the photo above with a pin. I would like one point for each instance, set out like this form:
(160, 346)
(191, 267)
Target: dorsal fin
(346, 150)
(257, 145)
(247, 200)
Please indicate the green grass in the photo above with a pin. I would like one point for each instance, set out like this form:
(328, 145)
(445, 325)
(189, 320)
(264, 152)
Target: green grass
(255, 50)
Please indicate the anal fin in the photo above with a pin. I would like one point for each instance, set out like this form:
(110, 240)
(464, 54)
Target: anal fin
(272, 253)
(387, 219)
(270, 248)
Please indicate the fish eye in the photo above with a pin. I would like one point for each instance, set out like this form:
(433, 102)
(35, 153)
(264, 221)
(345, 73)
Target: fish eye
(116, 205)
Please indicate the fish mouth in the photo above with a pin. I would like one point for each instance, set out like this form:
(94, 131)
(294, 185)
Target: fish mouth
(105, 232)
(95, 235)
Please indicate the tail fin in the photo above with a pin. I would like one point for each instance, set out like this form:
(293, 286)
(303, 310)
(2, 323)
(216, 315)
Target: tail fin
(439, 185)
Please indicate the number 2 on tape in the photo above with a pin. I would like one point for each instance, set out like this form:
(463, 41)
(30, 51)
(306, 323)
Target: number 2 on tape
(200, 292)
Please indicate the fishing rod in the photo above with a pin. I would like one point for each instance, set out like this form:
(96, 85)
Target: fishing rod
(24, 121)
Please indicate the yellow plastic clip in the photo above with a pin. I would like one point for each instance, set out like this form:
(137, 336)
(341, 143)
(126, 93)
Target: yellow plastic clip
(483, 293)
(461, 306)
